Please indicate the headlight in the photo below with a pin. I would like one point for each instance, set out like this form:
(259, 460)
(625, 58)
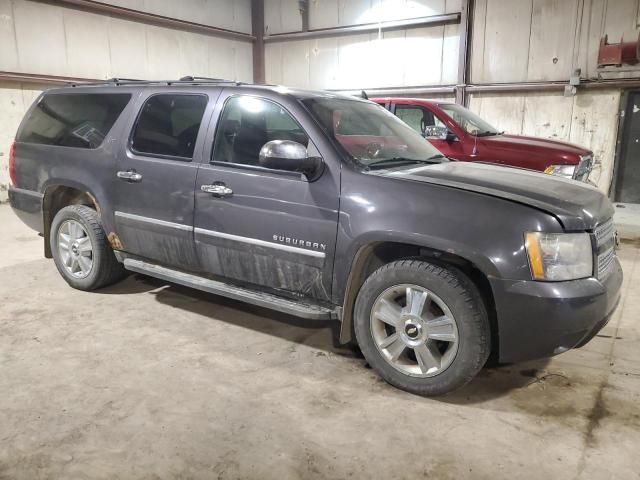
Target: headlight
(566, 171)
(559, 256)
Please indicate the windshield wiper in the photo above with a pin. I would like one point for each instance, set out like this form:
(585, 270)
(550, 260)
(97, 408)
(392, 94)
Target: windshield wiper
(408, 161)
(487, 133)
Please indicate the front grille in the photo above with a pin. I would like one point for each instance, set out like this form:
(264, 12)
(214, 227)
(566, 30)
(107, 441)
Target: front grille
(604, 232)
(583, 169)
(605, 261)
(605, 244)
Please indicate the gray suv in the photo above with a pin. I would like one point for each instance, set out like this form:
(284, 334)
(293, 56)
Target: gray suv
(321, 206)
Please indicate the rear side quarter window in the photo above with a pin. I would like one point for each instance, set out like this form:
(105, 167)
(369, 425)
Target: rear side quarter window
(73, 120)
(168, 125)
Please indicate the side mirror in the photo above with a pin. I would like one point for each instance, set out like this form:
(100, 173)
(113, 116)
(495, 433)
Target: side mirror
(439, 133)
(435, 133)
(289, 156)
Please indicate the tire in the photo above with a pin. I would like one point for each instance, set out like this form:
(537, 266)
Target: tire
(104, 268)
(452, 324)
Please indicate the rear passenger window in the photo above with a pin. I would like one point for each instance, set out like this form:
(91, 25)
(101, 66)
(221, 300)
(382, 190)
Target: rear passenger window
(247, 123)
(168, 125)
(73, 120)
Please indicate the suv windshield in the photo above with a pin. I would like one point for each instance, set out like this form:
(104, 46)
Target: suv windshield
(370, 134)
(468, 120)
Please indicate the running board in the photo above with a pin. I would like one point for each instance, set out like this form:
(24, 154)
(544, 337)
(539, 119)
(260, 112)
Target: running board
(261, 299)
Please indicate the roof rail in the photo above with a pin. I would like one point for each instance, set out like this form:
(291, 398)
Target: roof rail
(189, 80)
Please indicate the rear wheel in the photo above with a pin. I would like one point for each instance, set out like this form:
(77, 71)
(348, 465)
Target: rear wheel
(422, 327)
(80, 249)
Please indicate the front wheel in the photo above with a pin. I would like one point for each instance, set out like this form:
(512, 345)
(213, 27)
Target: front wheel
(422, 327)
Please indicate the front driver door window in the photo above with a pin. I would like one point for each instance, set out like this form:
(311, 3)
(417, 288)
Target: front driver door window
(247, 123)
(271, 228)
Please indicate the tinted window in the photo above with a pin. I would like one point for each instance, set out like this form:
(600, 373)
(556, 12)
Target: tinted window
(376, 137)
(468, 120)
(417, 117)
(412, 116)
(168, 125)
(247, 123)
(356, 122)
(73, 120)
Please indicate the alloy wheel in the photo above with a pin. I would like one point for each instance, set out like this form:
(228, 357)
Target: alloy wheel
(75, 249)
(414, 330)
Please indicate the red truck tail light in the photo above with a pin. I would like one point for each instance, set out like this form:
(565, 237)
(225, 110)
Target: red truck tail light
(12, 163)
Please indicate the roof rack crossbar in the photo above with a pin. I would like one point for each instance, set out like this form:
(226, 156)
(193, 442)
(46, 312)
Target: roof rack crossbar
(190, 78)
(116, 80)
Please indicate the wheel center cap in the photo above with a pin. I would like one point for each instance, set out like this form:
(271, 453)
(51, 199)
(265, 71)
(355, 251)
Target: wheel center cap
(74, 248)
(412, 330)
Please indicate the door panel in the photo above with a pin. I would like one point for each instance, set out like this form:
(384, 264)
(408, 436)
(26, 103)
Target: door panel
(275, 230)
(154, 218)
(156, 175)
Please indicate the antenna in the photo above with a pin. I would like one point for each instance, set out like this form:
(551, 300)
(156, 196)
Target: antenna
(474, 152)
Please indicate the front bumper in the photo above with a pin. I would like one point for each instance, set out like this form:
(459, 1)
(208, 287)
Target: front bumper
(541, 319)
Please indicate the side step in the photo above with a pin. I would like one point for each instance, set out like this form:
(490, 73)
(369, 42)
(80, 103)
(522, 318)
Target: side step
(267, 300)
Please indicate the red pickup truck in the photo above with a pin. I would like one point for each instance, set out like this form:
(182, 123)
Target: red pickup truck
(462, 135)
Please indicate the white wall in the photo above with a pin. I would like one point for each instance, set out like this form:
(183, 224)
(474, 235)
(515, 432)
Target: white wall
(15, 98)
(412, 57)
(46, 39)
(229, 14)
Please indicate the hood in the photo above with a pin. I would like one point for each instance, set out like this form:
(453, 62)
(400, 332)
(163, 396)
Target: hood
(562, 149)
(577, 206)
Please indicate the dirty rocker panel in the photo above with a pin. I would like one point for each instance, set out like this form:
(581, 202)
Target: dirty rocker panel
(263, 299)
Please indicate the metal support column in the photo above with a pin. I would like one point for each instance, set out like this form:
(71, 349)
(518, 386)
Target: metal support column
(257, 29)
(466, 17)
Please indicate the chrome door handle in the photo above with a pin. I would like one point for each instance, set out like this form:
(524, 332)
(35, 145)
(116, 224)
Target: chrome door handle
(130, 176)
(219, 190)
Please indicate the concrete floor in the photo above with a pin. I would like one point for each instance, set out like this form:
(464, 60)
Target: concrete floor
(147, 380)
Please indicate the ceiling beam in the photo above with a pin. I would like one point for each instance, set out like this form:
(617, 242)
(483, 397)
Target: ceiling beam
(41, 79)
(366, 28)
(151, 18)
(464, 51)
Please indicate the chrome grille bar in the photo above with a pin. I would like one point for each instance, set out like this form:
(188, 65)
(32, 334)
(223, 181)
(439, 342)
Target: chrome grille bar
(604, 232)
